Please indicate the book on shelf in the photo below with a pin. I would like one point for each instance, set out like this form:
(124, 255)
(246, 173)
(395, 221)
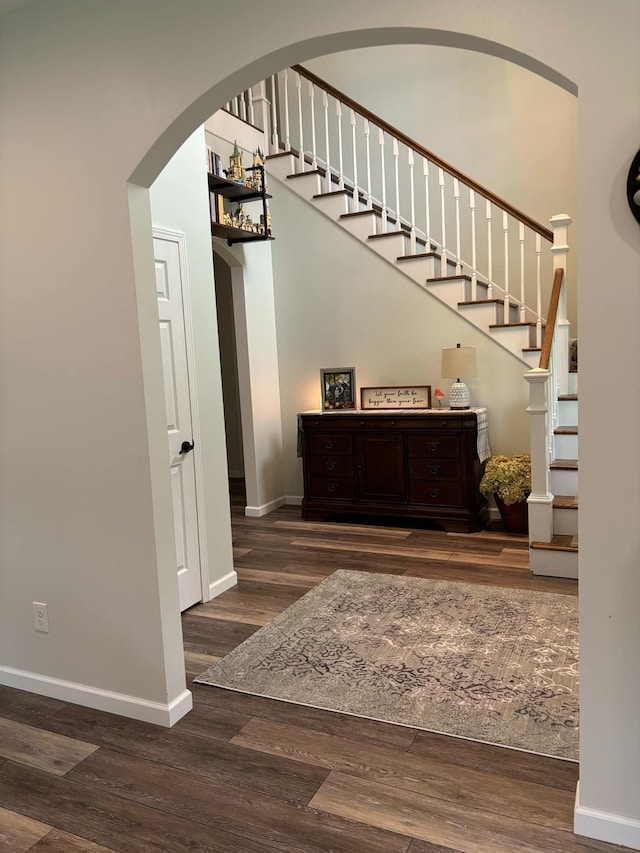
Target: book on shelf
(214, 164)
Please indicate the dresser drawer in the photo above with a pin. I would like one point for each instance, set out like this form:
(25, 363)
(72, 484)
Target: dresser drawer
(329, 443)
(435, 494)
(434, 446)
(332, 489)
(331, 466)
(434, 469)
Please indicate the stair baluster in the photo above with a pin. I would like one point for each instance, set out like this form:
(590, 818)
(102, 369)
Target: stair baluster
(355, 200)
(367, 134)
(474, 269)
(314, 152)
(327, 156)
(301, 160)
(489, 215)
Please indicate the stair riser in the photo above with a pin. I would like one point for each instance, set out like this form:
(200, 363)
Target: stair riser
(391, 247)
(567, 412)
(483, 315)
(555, 564)
(532, 358)
(306, 185)
(566, 446)
(565, 522)
(563, 482)
(452, 292)
(281, 167)
(333, 205)
(516, 338)
(573, 383)
(361, 226)
(420, 269)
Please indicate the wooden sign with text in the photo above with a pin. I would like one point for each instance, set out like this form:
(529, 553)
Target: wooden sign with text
(396, 397)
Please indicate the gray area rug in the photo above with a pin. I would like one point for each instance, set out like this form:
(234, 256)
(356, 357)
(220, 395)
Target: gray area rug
(479, 662)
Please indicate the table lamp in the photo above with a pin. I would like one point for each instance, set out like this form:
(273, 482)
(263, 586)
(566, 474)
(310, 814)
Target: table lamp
(456, 362)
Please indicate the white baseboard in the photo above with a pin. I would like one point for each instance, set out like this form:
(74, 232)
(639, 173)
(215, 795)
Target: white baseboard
(218, 587)
(259, 511)
(293, 500)
(102, 700)
(606, 826)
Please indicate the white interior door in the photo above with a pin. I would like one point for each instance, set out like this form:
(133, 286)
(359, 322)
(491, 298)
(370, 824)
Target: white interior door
(169, 286)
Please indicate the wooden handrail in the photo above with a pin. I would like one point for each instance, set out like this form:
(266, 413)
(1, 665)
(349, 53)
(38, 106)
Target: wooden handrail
(546, 233)
(545, 355)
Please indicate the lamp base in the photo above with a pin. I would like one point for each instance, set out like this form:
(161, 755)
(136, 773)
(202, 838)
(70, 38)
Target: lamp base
(459, 396)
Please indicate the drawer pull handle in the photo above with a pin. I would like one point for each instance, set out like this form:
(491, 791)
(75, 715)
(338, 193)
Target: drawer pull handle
(433, 469)
(331, 487)
(329, 445)
(432, 446)
(434, 493)
(330, 466)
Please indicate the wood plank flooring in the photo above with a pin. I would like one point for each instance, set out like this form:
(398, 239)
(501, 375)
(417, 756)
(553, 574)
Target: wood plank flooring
(244, 774)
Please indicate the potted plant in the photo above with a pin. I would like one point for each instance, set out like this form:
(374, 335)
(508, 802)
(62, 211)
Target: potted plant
(508, 479)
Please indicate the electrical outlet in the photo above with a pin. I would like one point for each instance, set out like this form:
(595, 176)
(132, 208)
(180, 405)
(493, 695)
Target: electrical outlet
(40, 617)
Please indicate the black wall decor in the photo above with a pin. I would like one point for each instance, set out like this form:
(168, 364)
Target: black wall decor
(633, 187)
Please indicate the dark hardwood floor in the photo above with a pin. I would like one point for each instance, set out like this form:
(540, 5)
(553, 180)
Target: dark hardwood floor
(243, 774)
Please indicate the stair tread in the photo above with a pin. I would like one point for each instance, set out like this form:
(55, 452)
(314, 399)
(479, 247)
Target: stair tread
(402, 231)
(565, 501)
(565, 464)
(360, 213)
(559, 542)
(566, 430)
(306, 172)
(450, 278)
(531, 349)
(279, 154)
(418, 255)
(568, 397)
(482, 302)
(344, 191)
(510, 325)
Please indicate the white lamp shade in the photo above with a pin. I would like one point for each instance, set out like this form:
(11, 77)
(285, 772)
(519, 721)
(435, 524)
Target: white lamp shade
(459, 362)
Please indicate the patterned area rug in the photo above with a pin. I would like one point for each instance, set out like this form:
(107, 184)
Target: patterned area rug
(479, 662)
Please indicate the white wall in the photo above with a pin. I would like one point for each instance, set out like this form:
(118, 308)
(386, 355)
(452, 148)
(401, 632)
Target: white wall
(80, 363)
(339, 304)
(256, 345)
(180, 202)
(509, 129)
(229, 367)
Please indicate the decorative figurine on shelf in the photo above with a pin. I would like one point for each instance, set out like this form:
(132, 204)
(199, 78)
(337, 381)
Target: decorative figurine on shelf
(256, 178)
(236, 171)
(262, 223)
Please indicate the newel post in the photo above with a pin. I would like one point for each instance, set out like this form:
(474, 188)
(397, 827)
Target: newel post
(540, 500)
(560, 251)
(262, 111)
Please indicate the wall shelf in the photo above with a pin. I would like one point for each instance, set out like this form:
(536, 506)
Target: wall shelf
(222, 188)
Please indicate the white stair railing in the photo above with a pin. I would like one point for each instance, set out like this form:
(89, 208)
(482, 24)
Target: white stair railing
(546, 383)
(502, 255)
(505, 262)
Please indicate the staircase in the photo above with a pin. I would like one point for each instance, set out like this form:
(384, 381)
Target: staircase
(559, 556)
(457, 240)
(553, 408)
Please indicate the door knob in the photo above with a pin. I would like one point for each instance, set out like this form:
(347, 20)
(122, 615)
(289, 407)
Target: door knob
(185, 447)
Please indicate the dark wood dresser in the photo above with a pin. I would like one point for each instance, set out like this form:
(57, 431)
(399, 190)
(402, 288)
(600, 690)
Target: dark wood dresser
(408, 464)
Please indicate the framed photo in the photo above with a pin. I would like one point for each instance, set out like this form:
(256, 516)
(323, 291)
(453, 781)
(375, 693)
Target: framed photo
(338, 386)
(396, 397)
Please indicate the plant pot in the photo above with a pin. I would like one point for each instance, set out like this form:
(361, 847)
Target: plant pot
(515, 516)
